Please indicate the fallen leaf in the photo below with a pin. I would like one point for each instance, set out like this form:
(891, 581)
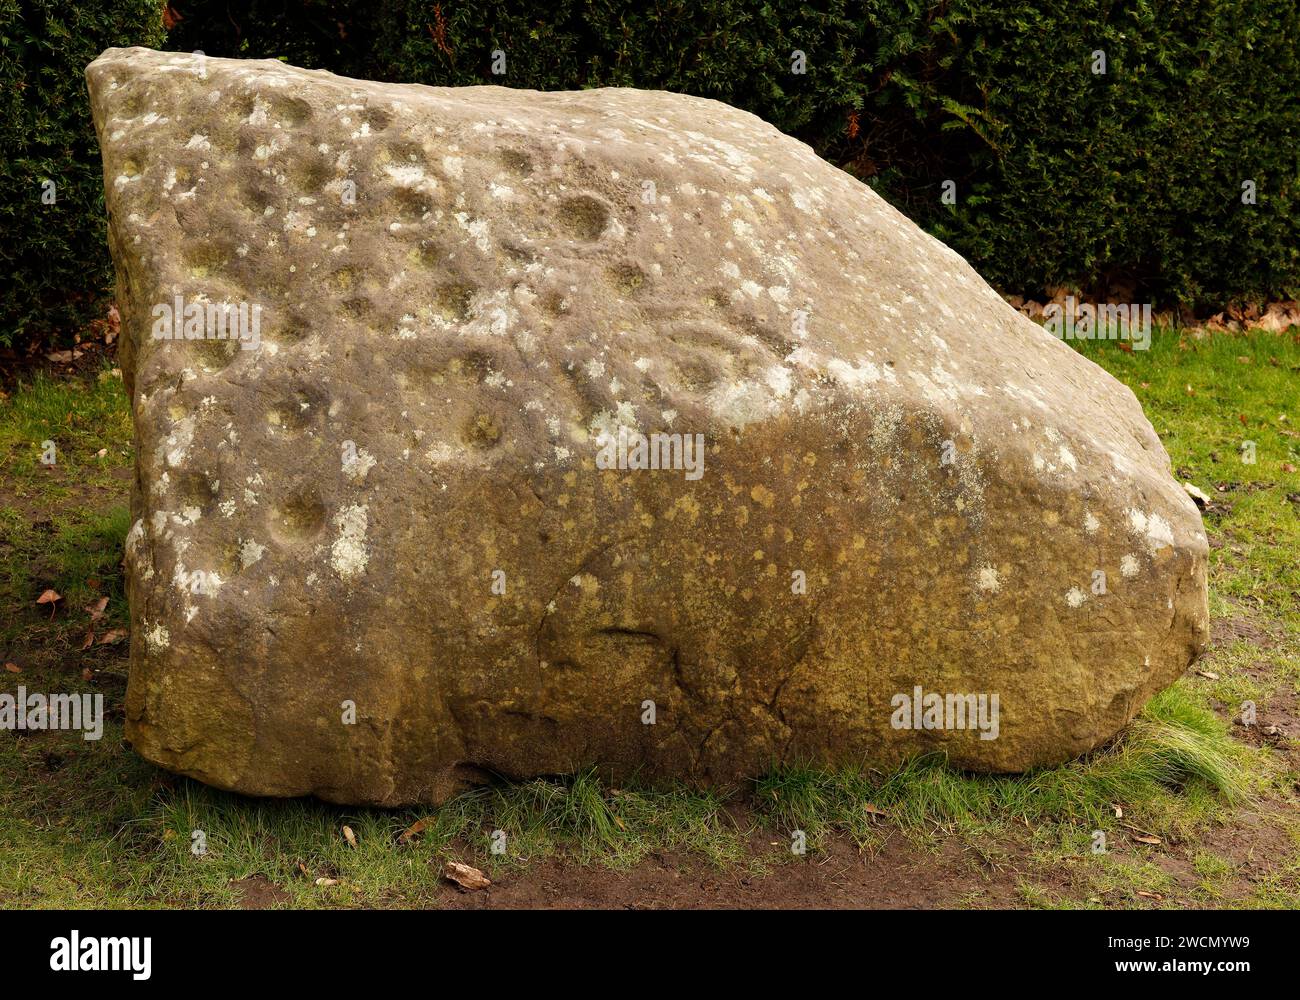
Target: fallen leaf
(411, 832)
(1146, 838)
(872, 810)
(1209, 675)
(1199, 498)
(90, 639)
(1150, 895)
(1119, 810)
(86, 673)
(349, 836)
(327, 881)
(465, 876)
(13, 668)
(113, 635)
(63, 357)
(96, 610)
(1288, 467)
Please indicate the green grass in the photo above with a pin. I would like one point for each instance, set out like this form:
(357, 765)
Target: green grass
(81, 418)
(1176, 745)
(90, 824)
(1241, 389)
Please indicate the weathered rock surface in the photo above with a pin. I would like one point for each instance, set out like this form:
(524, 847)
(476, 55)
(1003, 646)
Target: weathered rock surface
(392, 499)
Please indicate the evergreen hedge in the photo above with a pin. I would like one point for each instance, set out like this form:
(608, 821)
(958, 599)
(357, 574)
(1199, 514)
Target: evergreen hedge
(1127, 182)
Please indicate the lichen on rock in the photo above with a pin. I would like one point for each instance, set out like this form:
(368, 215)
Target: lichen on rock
(376, 553)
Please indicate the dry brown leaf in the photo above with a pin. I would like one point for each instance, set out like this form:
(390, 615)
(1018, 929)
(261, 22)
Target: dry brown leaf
(1119, 810)
(96, 610)
(87, 674)
(113, 635)
(1150, 895)
(1198, 497)
(13, 668)
(412, 831)
(1288, 467)
(327, 881)
(1146, 838)
(89, 640)
(1209, 675)
(465, 876)
(349, 836)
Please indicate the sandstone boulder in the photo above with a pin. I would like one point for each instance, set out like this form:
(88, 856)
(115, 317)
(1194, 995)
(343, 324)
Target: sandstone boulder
(610, 427)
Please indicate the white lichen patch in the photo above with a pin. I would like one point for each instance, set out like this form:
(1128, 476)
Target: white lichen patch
(249, 552)
(605, 424)
(348, 555)
(1159, 533)
(859, 376)
(177, 444)
(1153, 529)
(988, 580)
(156, 638)
(1075, 597)
(134, 536)
(1128, 566)
(357, 463)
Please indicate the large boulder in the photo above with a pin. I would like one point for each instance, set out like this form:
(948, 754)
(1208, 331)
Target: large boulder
(610, 427)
